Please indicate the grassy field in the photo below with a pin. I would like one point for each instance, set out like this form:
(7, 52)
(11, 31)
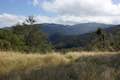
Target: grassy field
(56, 66)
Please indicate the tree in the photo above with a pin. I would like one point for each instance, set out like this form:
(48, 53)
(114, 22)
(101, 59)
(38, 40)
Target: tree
(37, 41)
(102, 41)
(30, 20)
(101, 36)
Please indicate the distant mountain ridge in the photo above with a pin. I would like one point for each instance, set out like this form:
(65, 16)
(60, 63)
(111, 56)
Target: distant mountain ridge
(77, 29)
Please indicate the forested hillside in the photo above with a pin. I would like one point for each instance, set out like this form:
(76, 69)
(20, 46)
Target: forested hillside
(101, 40)
(30, 37)
(25, 38)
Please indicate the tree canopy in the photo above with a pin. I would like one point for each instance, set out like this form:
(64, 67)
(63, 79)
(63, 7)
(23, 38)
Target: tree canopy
(28, 38)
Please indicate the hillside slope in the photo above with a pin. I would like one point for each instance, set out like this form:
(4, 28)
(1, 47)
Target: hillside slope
(83, 40)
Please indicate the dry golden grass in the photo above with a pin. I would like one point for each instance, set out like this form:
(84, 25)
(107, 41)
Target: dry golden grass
(14, 61)
(10, 61)
(76, 55)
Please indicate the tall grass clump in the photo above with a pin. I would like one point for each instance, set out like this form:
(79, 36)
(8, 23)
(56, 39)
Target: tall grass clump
(10, 61)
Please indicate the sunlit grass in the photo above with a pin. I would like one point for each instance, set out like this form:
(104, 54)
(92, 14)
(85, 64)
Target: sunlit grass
(10, 61)
(21, 62)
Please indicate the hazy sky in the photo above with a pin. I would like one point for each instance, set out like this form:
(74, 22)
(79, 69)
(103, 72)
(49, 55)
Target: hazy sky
(60, 11)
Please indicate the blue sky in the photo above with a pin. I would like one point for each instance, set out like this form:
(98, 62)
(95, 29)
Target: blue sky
(60, 11)
(25, 7)
(20, 7)
(116, 1)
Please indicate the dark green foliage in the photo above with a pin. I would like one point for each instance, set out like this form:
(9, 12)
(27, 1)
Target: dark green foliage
(26, 38)
(10, 41)
(104, 41)
(100, 40)
(37, 41)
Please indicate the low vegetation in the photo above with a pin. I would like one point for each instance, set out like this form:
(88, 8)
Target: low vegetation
(55, 66)
(24, 37)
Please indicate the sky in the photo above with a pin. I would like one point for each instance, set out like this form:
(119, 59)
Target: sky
(60, 11)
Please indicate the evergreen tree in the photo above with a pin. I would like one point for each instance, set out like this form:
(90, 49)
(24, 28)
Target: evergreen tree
(102, 41)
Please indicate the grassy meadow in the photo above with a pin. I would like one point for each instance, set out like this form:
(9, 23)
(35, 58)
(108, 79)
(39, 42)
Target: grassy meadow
(56, 66)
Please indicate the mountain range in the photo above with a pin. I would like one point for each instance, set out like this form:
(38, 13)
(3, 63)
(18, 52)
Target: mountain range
(76, 29)
(79, 35)
(70, 36)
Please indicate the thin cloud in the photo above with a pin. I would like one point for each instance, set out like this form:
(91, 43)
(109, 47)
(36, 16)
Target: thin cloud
(10, 19)
(81, 11)
(35, 2)
(83, 7)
